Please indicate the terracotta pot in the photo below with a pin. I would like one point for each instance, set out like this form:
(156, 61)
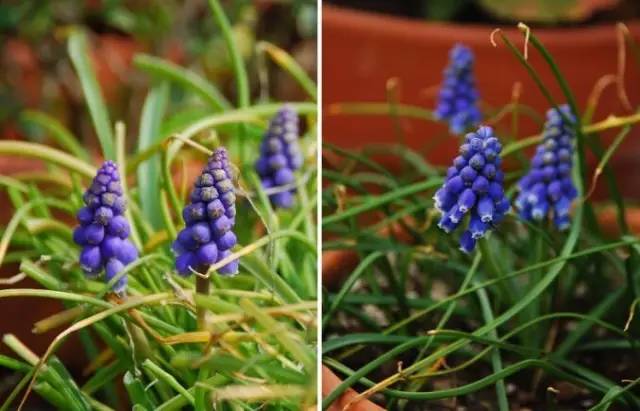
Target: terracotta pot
(362, 51)
(329, 383)
(608, 220)
(112, 57)
(27, 311)
(338, 264)
(22, 68)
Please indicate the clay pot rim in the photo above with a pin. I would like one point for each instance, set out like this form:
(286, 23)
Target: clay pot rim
(472, 34)
(328, 376)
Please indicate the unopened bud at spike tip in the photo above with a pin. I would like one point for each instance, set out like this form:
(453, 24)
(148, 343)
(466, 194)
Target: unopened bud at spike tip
(547, 190)
(280, 157)
(458, 96)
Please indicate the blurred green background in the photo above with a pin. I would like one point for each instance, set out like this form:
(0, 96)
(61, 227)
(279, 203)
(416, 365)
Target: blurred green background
(36, 73)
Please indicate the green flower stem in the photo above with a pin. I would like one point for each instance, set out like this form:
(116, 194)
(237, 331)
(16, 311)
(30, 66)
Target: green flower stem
(533, 311)
(496, 359)
(492, 267)
(203, 285)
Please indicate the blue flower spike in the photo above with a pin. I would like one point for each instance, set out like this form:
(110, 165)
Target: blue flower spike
(458, 97)
(547, 191)
(474, 188)
(103, 233)
(209, 218)
(280, 156)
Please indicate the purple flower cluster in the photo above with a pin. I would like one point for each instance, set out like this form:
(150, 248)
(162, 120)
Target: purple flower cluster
(210, 216)
(548, 190)
(103, 232)
(457, 100)
(474, 187)
(280, 156)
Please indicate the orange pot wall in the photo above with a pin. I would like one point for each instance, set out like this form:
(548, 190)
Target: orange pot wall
(19, 314)
(330, 382)
(361, 51)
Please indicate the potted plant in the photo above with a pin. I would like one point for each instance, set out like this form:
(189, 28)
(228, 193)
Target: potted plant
(400, 59)
(489, 283)
(143, 256)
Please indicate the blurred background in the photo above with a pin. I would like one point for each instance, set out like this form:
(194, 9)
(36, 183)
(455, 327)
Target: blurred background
(374, 50)
(36, 73)
(547, 12)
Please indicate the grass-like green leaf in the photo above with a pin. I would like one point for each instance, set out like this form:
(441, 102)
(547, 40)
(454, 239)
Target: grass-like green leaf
(80, 57)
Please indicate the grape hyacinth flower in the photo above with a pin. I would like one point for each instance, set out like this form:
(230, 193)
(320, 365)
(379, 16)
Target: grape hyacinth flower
(473, 187)
(457, 100)
(548, 189)
(104, 231)
(209, 218)
(280, 156)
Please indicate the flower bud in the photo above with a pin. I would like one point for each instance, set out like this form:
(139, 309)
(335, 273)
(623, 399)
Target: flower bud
(280, 156)
(457, 100)
(548, 190)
